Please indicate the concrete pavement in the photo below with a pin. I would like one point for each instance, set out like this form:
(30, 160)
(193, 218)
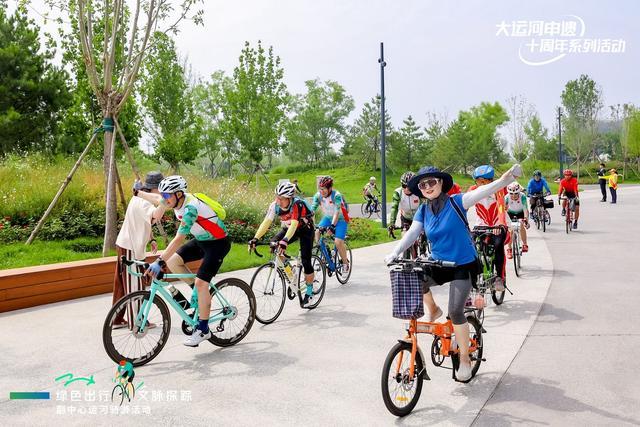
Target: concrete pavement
(323, 367)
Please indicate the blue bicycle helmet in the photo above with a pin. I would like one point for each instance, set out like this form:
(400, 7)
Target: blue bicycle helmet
(484, 171)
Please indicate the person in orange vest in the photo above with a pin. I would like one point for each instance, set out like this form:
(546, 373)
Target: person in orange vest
(613, 184)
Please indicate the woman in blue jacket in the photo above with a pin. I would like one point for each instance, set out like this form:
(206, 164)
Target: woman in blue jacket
(442, 221)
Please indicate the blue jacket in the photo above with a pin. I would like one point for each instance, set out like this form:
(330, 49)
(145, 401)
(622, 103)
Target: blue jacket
(536, 186)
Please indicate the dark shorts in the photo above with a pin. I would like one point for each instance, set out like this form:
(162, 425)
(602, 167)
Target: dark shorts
(572, 195)
(442, 275)
(516, 215)
(211, 252)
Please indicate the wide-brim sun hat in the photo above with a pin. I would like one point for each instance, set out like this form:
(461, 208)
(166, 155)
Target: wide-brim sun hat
(430, 171)
(153, 179)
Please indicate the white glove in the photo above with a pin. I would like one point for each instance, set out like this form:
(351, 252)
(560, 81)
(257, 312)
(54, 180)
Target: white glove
(516, 170)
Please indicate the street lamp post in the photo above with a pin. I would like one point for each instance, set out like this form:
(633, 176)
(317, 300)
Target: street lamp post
(383, 137)
(560, 140)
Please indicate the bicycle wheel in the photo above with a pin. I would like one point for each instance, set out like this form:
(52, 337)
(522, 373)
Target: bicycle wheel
(436, 358)
(129, 343)
(567, 223)
(239, 298)
(536, 217)
(270, 291)
(378, 209)
(519, 257)
(497, 297)
(545, 214)
(475, 338)
(401, 394)
(343, 277)
(319, 282)
(363, 209)
(120, 394)
(515, 252)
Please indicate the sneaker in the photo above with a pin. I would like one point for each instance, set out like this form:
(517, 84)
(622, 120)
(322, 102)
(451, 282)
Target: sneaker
(196, 338)
(307, 300)
(345, 268)
(525, 248)
(499, 284)
(509, 253)
(603, 200)
(564, 212)
(575, 225)
(435, 316)
(463, 373)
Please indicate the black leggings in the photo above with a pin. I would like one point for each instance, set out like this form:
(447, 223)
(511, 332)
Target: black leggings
(305, 234)
(211, 252)
(460, 281)
(498, 244)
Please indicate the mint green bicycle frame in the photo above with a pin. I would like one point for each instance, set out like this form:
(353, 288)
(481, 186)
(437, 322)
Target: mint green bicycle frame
(158, 287)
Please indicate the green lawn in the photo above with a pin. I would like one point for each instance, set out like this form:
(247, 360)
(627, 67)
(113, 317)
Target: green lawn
(15, 255)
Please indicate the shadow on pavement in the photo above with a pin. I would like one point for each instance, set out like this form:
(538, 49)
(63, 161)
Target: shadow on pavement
(258, 359)
(545, 394)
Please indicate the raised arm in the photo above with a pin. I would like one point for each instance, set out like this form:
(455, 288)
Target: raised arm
(470, 198)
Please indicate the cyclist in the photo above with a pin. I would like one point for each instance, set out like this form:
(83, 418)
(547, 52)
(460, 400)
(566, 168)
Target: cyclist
(404, 202)
(297, 219)
(335, 216)
(491, 213)
(517, 209)
(368, 192)
(210, 244)
(569, 187)
(443, 219)
(125, 372)
(535, 188)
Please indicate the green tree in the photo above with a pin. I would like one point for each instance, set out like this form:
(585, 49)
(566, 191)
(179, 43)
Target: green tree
(520, 110)
(256, 104)
(407, 147)
(319, 121)
(33, 92)
(363, 141)
(542, 147)
(582, 100)
(168, 101)
(209, 99)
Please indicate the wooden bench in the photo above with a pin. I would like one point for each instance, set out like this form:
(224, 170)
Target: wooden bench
(45, 284)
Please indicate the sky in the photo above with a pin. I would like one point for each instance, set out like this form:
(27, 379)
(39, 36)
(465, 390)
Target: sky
(442, 56)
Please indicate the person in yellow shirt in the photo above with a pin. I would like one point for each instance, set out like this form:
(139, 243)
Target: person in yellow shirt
(613, 184)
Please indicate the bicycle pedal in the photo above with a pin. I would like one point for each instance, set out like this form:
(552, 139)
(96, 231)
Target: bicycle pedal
(483, 359)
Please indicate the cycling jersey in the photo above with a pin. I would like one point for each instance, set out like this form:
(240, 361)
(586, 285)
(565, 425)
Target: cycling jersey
(299, 210)
(535, 187)
(491, 210)
(569, 185)
(199, 220)
(329, 204)
(407, 204)
(369, 188)
(516, 206)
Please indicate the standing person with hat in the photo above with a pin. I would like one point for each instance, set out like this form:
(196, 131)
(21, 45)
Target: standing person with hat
(132, 240)
(443, 220)
(603, 182)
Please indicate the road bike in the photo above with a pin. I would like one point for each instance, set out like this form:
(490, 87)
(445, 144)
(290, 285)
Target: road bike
(281, 277)
(233, 310)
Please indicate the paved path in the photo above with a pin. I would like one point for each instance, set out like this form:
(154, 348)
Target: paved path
(322, 367)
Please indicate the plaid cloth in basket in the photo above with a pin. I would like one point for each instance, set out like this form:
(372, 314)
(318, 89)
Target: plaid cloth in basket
(406, 289)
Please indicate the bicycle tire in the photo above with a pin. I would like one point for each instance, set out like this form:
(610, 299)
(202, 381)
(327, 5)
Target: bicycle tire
(261, 315)
(514, 250)
(401, 379)
(164, 328)
(436, 358)
(544, 221)
(319, 291)
(475, 332)
(251, 315)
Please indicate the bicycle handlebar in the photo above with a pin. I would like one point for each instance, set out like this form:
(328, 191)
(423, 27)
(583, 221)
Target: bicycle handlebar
(271, 245)
(421, 262)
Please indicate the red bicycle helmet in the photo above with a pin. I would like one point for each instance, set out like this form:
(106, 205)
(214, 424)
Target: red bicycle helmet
(568, 172)
(326, 182)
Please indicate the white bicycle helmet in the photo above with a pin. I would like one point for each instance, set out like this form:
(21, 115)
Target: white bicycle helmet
(373, 178)
(172, 184)
(514, 188)
(286, 189)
